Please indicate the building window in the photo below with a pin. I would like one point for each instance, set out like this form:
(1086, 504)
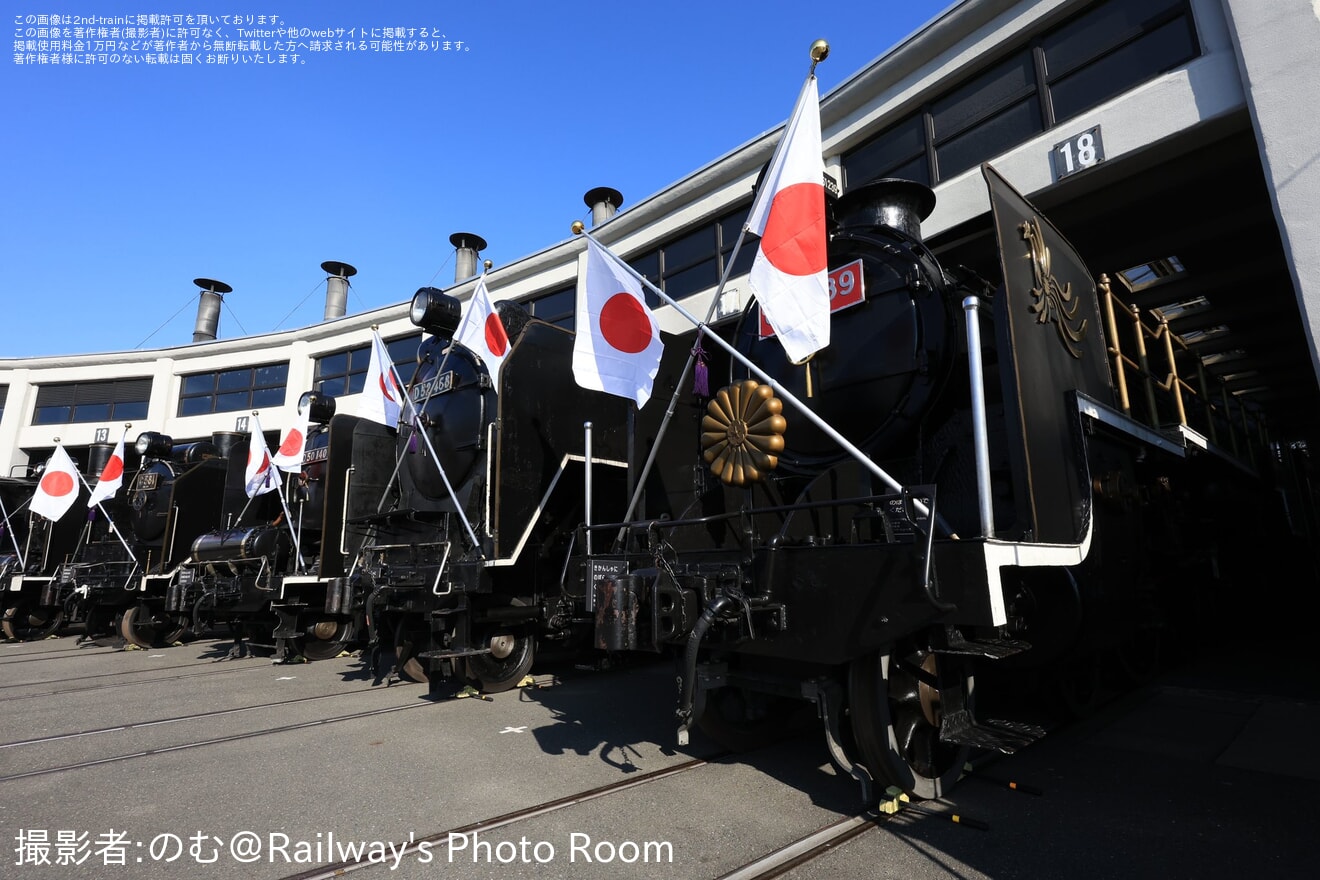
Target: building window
(1102, 52)
(4, 394)
(345, 372)
(116, 400)
(241, 388)
(555, 307)
(695, 261)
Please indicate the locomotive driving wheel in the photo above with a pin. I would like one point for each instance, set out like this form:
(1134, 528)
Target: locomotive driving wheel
(138, 626)
(325, 639)
(509, 660)
(30, 623)
(897, 706)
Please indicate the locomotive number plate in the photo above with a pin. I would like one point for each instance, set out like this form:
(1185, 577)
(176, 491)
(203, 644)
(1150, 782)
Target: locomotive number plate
(433, 386)
(147, 482)
(845, 292)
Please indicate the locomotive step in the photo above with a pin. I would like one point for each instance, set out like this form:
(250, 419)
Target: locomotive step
(440, 655)
(990, 649)
(1001, 736)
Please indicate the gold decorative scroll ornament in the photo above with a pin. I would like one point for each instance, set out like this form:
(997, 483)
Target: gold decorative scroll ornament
(1054, 302)
(743, 432)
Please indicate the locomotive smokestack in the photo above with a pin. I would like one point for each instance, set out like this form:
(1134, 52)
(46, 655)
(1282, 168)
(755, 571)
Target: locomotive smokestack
(208, 309)
(898, 204)
(465, 262)
(336, 288)
(603, 202)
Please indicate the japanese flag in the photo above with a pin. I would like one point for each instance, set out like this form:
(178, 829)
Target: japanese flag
(112, 476)
(58, 488)
(482, 332)
(790, 273)
(261, 475)
(290, 454)
(381, 396)
(618, 348)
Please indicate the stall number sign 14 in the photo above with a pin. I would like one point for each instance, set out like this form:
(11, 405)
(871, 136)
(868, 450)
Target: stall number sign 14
(1078, 152)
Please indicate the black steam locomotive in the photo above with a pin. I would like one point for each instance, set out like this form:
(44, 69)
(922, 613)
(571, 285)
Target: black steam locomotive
(969, 488)
(108, 567)
(274, 572)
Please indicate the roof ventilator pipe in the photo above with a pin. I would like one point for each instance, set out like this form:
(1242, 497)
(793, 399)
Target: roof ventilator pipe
(336, 288)
(208, 309)
(604, 203)
(468, 246)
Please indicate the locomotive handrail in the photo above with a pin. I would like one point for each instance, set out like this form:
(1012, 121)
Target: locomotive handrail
(1173, 383)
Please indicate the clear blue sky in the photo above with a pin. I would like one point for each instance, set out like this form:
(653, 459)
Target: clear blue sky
(124, 182)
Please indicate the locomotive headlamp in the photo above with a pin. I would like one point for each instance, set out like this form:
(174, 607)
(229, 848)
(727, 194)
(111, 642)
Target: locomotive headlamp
(436, 312)
(317, 407)
(154, 444)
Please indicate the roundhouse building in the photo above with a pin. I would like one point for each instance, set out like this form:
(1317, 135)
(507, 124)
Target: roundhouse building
(1170, 140)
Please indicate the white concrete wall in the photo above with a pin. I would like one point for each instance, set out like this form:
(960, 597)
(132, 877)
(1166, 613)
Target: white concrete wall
(1278, 52)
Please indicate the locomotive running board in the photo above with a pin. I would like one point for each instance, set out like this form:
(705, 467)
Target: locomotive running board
(955, 642)
(960, 728)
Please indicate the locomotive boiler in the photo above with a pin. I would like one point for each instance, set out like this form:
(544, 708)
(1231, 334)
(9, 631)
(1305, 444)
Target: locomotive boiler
(949, 486)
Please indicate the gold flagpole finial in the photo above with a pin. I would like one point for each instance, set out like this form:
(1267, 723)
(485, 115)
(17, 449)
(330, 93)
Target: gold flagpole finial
(578, 227)
(486, 264)
(820, 50)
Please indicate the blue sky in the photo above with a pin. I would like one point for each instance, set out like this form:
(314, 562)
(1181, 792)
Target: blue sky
(126, 181)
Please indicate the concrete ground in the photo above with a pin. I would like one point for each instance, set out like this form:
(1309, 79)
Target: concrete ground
(146, 764)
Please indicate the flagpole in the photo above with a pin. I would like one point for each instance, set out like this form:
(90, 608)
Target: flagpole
(458, 508)
(444, 359)
(288, 517)
(811, 416)
(108, 518)
(819, 51)
(678, 388)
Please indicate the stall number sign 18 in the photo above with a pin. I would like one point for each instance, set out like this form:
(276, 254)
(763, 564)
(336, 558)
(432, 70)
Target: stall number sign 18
(1078, 152)
(845, 291)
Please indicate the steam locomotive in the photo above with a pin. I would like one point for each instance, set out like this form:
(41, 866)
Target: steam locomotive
(109, 567)
(952, 485)
(273, 572)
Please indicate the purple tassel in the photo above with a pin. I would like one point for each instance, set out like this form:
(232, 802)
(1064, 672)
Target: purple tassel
(701, 379)
(91, 514)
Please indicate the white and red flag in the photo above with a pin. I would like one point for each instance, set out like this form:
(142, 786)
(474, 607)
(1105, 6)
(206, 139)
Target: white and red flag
(381, 396)
(618, 345)
(262, 475)
(290, 454)
(112, 476)
(789, 275)
(482, 332)
(58, 487)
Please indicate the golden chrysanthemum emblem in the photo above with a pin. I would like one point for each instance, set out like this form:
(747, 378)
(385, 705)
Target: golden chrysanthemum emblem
(742, 433)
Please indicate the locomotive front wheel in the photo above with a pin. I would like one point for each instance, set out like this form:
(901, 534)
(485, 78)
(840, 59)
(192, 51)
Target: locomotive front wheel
(324, 640)
(137, 626)
(897, 701)
(508, 662)
(31, 623)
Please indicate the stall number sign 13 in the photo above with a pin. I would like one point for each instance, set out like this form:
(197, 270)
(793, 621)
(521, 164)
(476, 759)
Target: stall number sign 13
(1078, 152)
